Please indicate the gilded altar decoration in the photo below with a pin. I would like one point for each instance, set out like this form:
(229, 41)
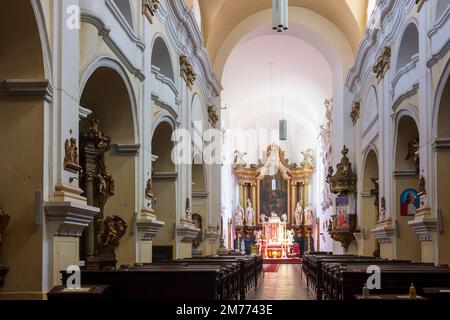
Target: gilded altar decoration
(343, 223)
(275, 193)
(383, 63)
(149, 8)
(212, 116)
(413, 153)
(354, 114)
(187, 71)
(111, 230)
(344, 180)
(71, 161)
(4, 221)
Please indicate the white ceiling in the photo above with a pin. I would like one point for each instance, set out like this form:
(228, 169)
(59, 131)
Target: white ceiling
(308, 81)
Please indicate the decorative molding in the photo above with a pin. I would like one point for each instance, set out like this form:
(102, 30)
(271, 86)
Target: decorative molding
(354, 114)
(83, 113)
(384, 232)
(167, 81)
(187, 232)
(409, 67)
(200, 194)
(130, 149)
(441, 144)
(125, 25)
(165, 176)
(105, 32)
(26, 88)
(71, 218)
(407, 94)
(404, 173)
(212, 234)
(165, 106)
(423, 227)
(148, 229)
(187, 39)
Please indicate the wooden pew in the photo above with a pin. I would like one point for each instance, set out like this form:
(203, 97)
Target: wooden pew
(395, 278)
(160, 283)
(229, 289)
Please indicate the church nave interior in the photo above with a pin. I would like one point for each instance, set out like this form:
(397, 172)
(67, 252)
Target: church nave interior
(225, 150)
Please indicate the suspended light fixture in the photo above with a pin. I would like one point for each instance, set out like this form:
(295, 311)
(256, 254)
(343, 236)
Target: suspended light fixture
(280, 20)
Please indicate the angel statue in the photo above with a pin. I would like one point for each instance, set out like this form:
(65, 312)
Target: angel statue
(308, 160)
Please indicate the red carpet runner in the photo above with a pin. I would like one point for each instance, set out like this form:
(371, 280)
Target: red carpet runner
(272, 268)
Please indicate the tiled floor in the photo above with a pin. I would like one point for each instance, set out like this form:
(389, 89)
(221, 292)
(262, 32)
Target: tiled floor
(286, 284)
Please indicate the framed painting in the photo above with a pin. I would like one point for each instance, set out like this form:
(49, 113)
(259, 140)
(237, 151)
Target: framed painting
(342, 213)
(273, 194)
(409, 202)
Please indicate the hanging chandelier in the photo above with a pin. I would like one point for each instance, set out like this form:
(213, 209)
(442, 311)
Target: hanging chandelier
(280, 20)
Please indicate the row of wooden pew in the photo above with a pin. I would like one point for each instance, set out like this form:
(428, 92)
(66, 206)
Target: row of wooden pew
(205, 278)
(342, 277)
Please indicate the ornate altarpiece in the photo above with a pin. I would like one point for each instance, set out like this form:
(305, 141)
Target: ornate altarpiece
(292, 182)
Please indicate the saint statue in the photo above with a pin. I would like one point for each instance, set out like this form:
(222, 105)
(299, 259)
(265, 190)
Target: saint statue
(309, 215)
(284, 217)
(249, 213)
(240, 216)
(262, 218)
(290, 236)
(298, 214)
(188, 210)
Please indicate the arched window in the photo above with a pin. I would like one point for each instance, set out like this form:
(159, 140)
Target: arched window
(161, 59)
(126, 9)
(408, 47)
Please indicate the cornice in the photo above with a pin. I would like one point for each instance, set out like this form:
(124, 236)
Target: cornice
(26, 88)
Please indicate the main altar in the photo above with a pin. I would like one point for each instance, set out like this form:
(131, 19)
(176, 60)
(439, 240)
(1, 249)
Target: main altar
(274, 214)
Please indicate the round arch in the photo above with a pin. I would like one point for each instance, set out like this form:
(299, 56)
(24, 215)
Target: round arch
(108, 62)
(162, 58)
(408, 45)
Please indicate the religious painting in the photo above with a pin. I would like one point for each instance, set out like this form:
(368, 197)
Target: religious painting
(274, 196)
(342, 217)
(409, 202)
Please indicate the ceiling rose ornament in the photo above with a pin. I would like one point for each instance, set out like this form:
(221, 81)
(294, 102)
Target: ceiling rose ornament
(356, 108)
(280, 19)
(344, 181)
(383, 63)
(187, 71)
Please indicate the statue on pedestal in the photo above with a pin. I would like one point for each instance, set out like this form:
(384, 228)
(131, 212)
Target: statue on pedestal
(240, 216)
(309, 215)
(188, 210)
(298, 214)
(249, 213)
